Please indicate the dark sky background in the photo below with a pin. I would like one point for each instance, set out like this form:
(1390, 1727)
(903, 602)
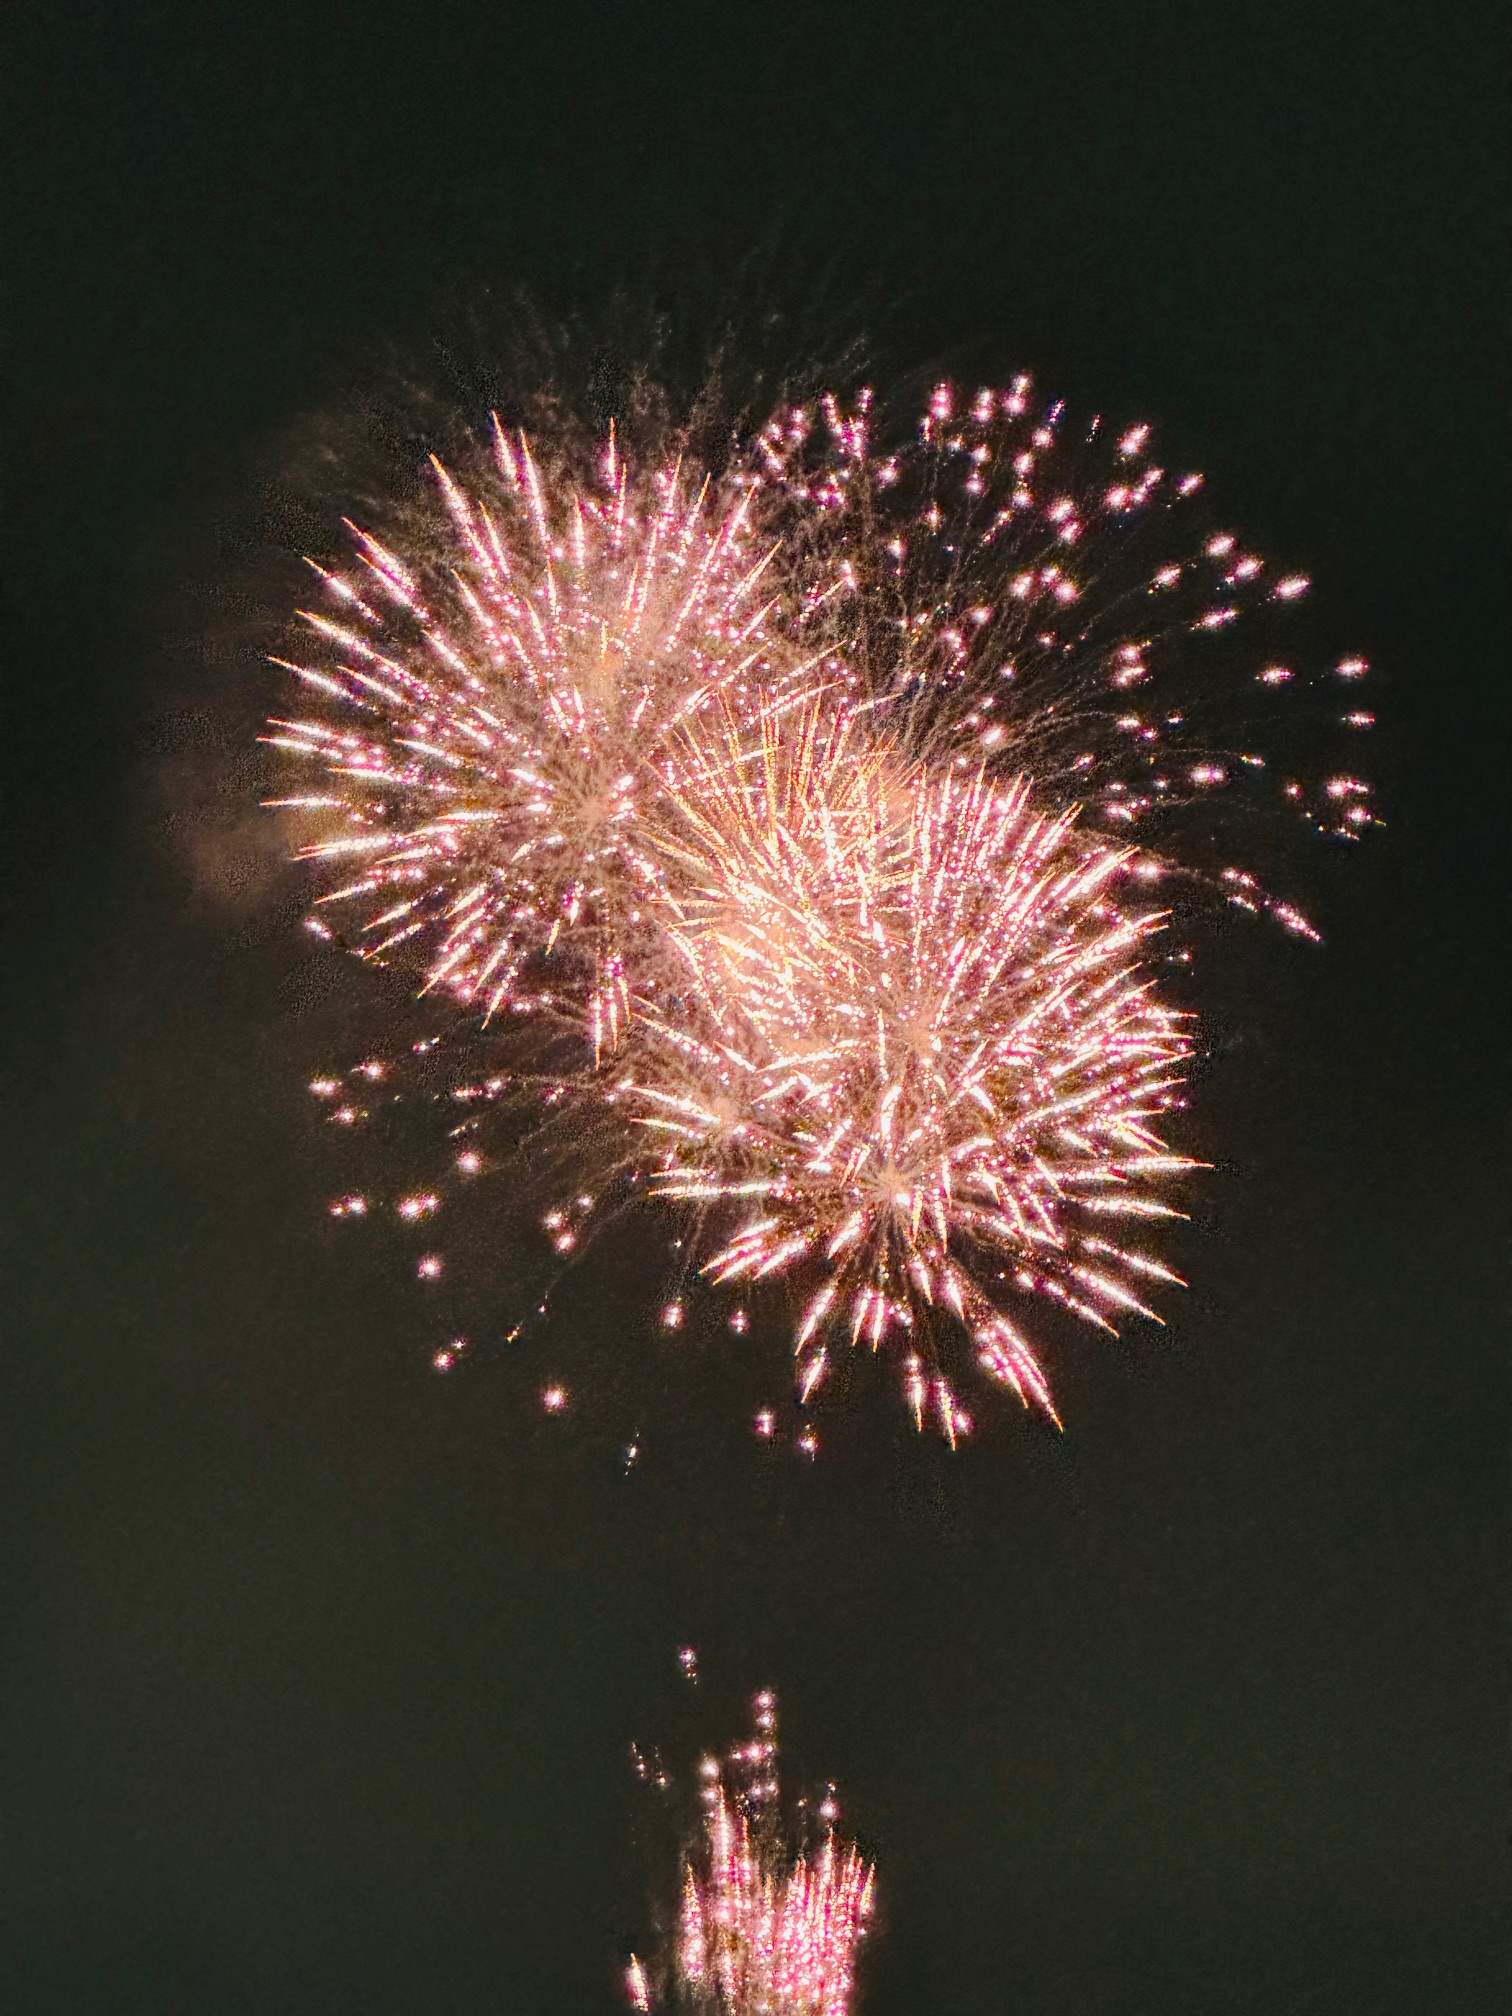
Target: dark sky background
(319, 1670)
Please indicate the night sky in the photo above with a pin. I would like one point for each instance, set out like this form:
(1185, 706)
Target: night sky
(320, 1670)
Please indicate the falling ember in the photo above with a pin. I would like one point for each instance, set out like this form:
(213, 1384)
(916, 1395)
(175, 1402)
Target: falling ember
(769, 1922)
(554, 1399)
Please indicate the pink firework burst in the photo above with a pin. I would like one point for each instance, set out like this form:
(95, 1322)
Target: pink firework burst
(492, 714)
(915, 1063)
(1054, 600)
(788, 845)
(768, 1925)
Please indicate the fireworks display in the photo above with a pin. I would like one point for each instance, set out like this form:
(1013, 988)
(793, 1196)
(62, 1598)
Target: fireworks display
(767, 1925)
(795, 843)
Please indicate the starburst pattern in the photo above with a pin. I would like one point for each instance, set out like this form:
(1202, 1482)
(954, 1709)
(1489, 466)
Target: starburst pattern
(1054, 600)
(914, 1052)
(492, 712)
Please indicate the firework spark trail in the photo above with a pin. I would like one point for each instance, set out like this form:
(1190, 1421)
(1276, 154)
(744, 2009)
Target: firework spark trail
(492, 717)
(1057, 605)
(914, 1055)
(766, 1927)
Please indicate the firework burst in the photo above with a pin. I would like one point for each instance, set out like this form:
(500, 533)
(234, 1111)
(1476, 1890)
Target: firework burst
(767, 1926)
(913, 1055)
(492, 713)
(1058, 603)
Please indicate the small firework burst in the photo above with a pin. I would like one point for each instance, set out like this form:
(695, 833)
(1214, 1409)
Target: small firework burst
(770, 1919)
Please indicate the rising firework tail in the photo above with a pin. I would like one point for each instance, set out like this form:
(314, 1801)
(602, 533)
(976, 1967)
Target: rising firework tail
(789, 849)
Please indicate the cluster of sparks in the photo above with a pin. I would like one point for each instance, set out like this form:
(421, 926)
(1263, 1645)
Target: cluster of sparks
(806, 834)
(765, 1927)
